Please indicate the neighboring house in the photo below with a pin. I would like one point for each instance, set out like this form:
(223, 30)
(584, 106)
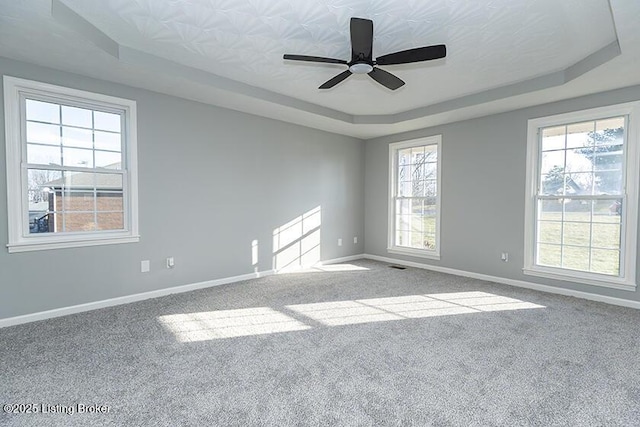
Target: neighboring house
(570, 187)
(82, 201)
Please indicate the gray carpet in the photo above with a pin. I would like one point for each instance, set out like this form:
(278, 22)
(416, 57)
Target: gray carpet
(371, 359)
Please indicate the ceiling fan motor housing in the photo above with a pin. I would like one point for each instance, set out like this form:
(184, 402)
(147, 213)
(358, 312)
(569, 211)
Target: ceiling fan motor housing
(361, 68)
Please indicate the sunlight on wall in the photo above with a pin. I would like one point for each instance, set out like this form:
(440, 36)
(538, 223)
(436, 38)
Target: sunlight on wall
(296, 244)
(407, 307)
(254, 255)
(210, 325)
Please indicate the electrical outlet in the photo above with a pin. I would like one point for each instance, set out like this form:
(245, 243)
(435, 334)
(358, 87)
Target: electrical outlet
(504, 256)
(339, 242)
(144, 266)
(170, 262)
(355, 240)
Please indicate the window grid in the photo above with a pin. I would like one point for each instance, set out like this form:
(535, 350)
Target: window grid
(67, 191)
(592, 198)
(414, 214)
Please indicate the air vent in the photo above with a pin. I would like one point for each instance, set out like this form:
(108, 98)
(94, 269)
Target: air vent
(398, 267)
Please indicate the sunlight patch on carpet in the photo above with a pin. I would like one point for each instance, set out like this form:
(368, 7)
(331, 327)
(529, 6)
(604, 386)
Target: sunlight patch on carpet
(339, 313)
(210, 325)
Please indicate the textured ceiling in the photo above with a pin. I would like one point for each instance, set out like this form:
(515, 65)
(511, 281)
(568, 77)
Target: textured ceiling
(233, 50)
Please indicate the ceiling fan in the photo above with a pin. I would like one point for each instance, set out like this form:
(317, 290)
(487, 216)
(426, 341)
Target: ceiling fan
(362, 57)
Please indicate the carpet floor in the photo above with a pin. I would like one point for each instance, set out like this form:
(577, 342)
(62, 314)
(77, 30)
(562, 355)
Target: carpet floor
(358, 345)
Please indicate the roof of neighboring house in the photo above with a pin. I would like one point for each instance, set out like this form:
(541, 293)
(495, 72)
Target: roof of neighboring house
(85, 180)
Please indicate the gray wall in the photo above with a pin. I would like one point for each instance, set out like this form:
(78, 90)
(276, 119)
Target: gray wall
(483, 184)
(211, 181)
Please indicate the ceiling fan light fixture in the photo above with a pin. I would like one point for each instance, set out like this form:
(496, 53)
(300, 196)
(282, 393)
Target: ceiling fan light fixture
(360, 68)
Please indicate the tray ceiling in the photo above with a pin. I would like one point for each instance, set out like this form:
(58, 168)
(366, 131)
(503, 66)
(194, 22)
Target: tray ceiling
(501, 54)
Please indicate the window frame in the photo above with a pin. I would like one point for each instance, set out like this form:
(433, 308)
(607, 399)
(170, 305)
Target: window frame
(626, 280)
(20, 240)
(391, 232)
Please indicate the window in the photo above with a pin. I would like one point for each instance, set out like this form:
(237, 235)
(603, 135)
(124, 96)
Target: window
(581, 206)
(414, 205)
(71, 167)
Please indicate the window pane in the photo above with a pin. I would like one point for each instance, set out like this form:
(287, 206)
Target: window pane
(553, 138)
(578, 135)
(74, 137)
(108, 141)
(605, 261)
(610, 160)
(106, 121)
(416, 217)
(42, 111)
(110, 221)
(431, 188)
(418, 171)
(41, 198)
(403, 207)
(108, 182)
(606, 236)
(43, 134)
(74, 116)
(108, 159)
(607, 211)
(404, 157)
(403, 222)
(549, 255)
(418, 188)
(577, 210)
(43, 154)
(552, 162)
(608, 182)
(109, 202)
(77, 157)
(404, 189)
(609, 131)
(577, 161)
(550, 232)
(74, 222)
(579, 183)
(41, 181)
(576, 233)
(575, 258)
(550, 210)
(431, 170)
(553, 183)
(430, 224)
(76, 201)
(79, 180)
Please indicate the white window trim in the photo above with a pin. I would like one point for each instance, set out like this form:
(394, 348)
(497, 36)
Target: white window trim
(627, 279)
(19, 238)
(391, 246)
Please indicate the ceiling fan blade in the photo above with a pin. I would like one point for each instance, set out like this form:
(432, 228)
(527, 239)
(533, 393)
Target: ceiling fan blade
(361, 39)
(418, 54)
(314, 59)
(335, 80)
(386, 79)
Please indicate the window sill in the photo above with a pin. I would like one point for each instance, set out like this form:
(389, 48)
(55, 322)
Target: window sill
(420, 253)
(42, 245)
(578, 277)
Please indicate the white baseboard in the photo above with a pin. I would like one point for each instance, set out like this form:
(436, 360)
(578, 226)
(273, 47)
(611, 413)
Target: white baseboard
(42, 315)
(518, 283)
